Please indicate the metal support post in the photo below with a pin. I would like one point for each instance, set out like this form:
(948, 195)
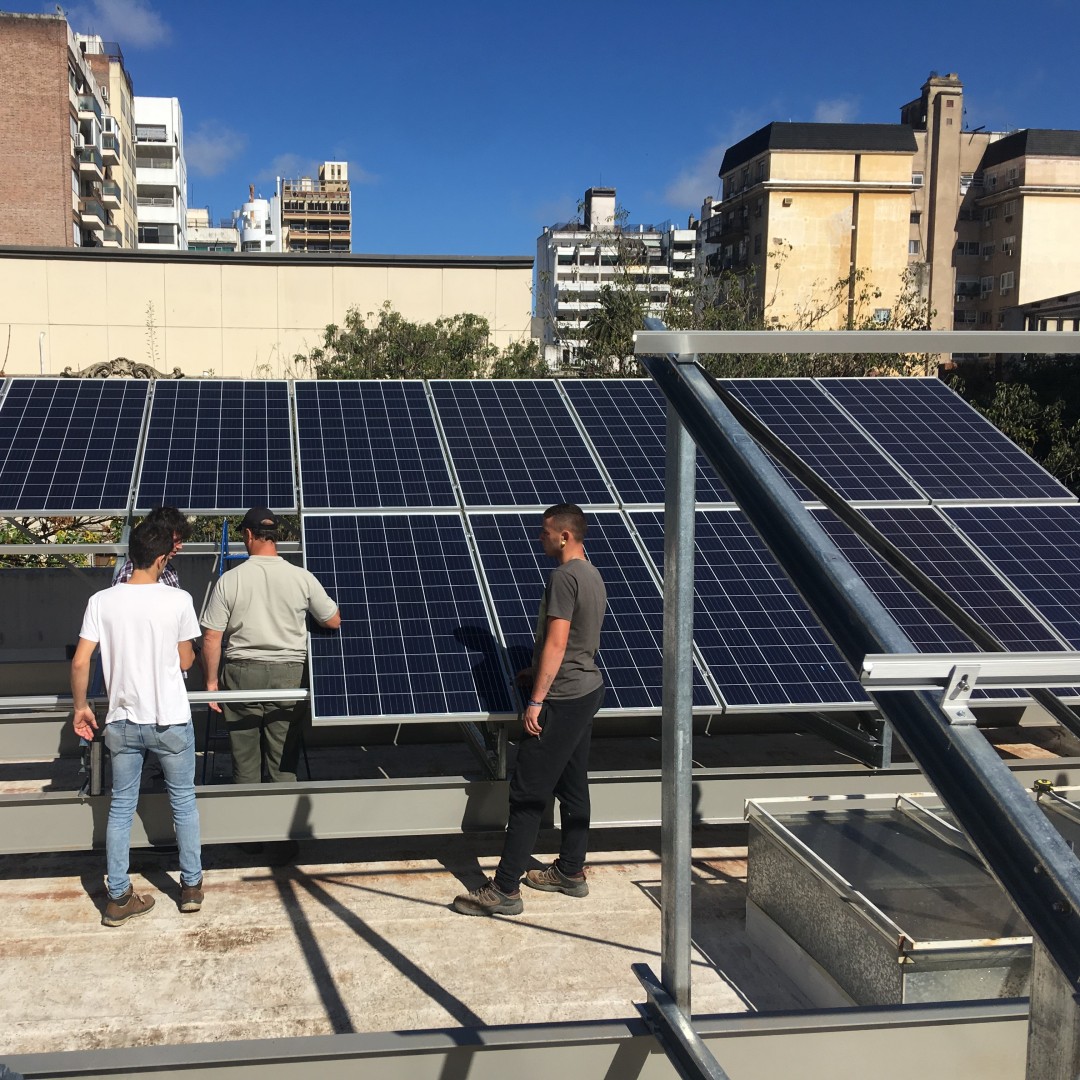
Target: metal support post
(1053, 1047)
(677, 726)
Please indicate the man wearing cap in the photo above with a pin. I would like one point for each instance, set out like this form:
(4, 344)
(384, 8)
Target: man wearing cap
(262, 605)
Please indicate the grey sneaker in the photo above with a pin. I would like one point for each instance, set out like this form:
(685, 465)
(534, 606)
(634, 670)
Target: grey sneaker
(117, 912)
(552, 879)
(191, 897)
(488, 900)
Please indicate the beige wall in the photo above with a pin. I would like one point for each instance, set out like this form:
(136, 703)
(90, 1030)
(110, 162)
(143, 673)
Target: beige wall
(1047, 267)
(235, 316)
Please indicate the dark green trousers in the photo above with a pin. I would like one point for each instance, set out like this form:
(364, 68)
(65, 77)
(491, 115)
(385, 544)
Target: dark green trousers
(263, 732)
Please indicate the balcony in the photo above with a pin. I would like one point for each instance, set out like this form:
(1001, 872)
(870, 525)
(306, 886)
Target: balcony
(93, 214)
(110, 148)
(110, 195)
(88, 107)
(90, 162)
(111, 237)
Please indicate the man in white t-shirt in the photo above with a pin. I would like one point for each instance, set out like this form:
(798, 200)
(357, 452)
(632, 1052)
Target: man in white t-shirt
(145, 631)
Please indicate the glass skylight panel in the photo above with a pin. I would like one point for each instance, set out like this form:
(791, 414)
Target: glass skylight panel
(370, 443)
(218, 445)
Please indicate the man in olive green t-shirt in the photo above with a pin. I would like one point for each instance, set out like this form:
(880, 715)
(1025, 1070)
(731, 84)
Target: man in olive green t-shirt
(263, 605)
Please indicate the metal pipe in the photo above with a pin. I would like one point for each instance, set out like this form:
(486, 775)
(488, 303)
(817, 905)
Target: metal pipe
(1022, 850)
(677, 726)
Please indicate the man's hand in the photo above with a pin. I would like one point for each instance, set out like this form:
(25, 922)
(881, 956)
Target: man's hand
(212, 684)
(531, 719)
(84, 722)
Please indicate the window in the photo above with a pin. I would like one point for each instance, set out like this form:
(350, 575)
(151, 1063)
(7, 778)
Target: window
(1008, 244)
(761, 169)
(913, 247)
(989, 214)
(757, 244)
(986, 285)
(967, 247)
(965, 182)
(988, 250)
(882, 315)
(1008, 209)
(1007, 281)
(964, 317)
(948, 119)
(948, 103)
(916, 217)
(917, 179)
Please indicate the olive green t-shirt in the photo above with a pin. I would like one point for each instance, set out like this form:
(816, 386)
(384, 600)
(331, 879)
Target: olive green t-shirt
(262, 605)
(575, 591)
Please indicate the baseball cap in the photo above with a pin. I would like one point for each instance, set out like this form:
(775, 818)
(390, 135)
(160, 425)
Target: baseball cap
(259, 517)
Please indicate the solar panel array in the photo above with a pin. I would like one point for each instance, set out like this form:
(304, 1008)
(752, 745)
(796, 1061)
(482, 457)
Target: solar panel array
(421, 502)
(69, 446)
(216, 445)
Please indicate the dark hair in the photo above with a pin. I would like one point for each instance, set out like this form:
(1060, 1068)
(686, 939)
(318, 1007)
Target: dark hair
(172, 519)
(265, 532)
(568, 516)
(149, 541)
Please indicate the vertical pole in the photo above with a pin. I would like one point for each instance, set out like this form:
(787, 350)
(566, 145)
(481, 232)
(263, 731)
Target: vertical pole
(1053, 1047)
(676, 788)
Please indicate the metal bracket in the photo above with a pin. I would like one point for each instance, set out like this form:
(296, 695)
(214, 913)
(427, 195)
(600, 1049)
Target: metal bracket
(671, 1026)
(958, 688)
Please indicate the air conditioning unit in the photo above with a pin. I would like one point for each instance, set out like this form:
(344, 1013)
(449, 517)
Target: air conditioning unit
(1009, 252)
(80, 141)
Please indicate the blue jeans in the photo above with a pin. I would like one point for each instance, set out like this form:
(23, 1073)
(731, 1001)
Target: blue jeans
(174, 747)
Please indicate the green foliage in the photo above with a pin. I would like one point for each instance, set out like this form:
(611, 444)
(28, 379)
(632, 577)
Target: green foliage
(609, 332)
(48, 530)
(386, 345)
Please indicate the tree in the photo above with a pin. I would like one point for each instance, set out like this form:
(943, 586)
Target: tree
(609, 332)
(386, 345)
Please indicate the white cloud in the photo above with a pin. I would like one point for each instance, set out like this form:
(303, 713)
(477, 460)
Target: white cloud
(700, 178)
(211, 148)
(837, 111)
(130, 22)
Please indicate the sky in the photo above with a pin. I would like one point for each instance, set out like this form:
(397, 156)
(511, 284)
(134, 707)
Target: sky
(470, 126)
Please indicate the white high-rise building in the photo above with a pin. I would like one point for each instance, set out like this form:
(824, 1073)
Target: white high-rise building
(575, 260)
(160, 174)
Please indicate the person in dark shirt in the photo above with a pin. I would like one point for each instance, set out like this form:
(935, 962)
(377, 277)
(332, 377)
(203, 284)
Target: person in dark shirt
(565, 690)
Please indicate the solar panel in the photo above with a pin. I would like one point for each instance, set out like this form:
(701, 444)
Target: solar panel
(631, 644)
(69, 446)
(1038, 549)
(218, 446)
(415, 639)
(945, 446)
(514, 443)
(805, 419)
(760, 641)
(934, 546)
(626, 419)
(369, 444)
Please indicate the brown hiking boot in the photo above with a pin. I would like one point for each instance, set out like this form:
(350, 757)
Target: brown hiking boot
(117, 912)
(488, 900)
(191, 897)
(552, 879)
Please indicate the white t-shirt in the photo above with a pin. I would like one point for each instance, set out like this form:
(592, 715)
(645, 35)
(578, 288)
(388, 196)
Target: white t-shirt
(138, 628)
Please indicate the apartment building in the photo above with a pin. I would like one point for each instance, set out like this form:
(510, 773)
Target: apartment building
(160, 174)
(65, 171)
(952, 214)
(316, 215)
(576, 259)
(204, 236)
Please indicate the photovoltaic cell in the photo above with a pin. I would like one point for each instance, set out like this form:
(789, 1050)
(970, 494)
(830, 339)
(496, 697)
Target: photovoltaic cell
(218, 445)
(415, 639)
(941, 442)
(631, 643)
(810, 423)
(69, 446)
(1038, 549)
(514, 443)
(369, 444)
(760, 641)
(626, 419)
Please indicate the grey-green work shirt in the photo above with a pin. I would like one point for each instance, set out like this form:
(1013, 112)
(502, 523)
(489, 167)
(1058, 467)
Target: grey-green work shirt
(262, 605)
(575, 591)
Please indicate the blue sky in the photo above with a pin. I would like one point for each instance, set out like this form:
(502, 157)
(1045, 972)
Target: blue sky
(470, 126)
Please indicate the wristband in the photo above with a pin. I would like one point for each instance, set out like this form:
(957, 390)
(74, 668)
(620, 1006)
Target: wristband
(530, 702)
